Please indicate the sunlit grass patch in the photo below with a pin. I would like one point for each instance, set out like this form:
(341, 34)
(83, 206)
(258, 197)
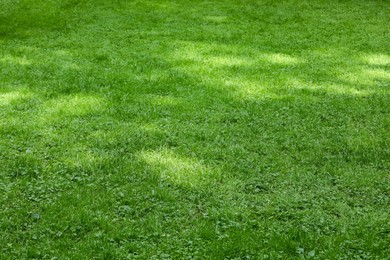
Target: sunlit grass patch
(248, 89)
(329, 88)
(367, 78)
(225, 60)
(229, 55)
(15, 60)
(377, 59)
(8, 98)
(194, 129)
(76, 105)
(280, 58)
(178, 169)
(377, 74)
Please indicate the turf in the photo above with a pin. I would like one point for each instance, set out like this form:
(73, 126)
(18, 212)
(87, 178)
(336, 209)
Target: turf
(194, 129)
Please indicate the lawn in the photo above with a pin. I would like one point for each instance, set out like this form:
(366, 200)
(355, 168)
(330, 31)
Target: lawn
(194, 129)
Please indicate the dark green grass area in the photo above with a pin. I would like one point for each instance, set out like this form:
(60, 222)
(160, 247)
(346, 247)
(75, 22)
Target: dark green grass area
(194, 129)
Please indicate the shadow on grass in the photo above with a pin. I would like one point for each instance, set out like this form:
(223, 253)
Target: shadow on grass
(205, 134)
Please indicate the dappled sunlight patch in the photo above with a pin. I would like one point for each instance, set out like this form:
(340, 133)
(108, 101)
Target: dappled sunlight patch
(15, 60)
(187, 52)
(62, 53)
(178, 169)
(248, 89)
(377, 59)
(366, 77)
(330, 88)
(223, 55)
(248, 74)
(63, 59)
(209, 54)
(77, 105)
(149, 129)
(376, 73)
(355, 78)
(9, 97)
(213, 130)
(227, 60)
(27, 55)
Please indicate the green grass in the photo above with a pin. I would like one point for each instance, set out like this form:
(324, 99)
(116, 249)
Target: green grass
(194, 129)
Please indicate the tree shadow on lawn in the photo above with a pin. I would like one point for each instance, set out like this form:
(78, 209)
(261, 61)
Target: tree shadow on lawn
(203, 159)
(201, 142)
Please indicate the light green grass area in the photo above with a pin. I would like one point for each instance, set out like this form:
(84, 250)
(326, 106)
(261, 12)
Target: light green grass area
(194, 129)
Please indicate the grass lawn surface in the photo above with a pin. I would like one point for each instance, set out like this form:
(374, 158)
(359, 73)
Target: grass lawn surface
(194, 129)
